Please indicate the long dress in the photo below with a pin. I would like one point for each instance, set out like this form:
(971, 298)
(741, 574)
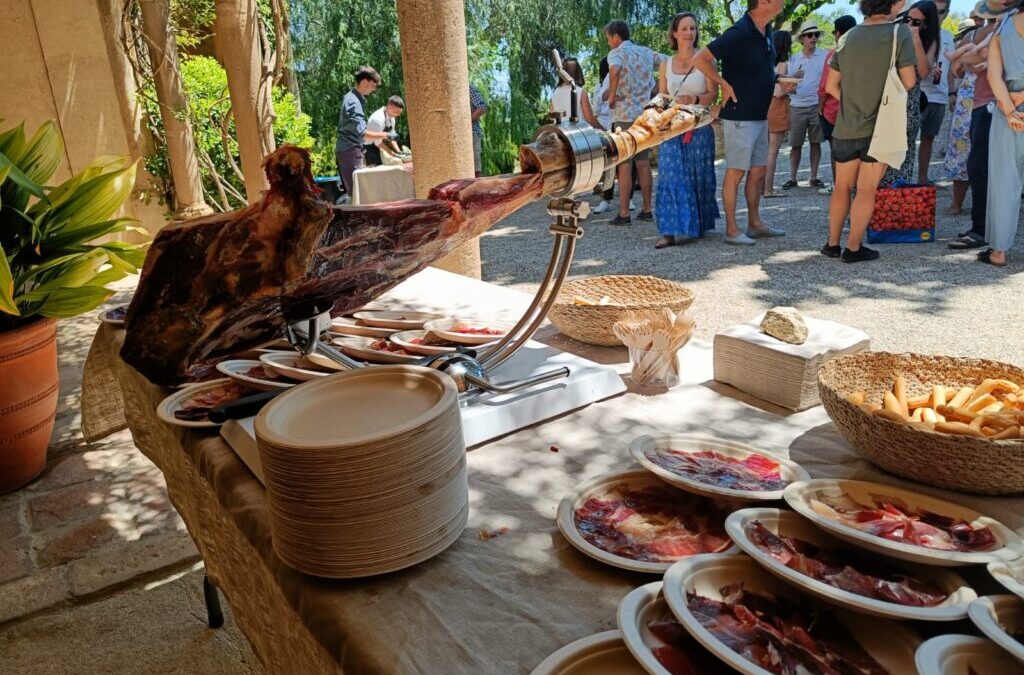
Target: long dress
(954, 165)
(906, 172)
(684, 203)
(1006, 150)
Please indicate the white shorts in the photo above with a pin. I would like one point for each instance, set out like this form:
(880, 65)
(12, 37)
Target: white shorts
(746, 144)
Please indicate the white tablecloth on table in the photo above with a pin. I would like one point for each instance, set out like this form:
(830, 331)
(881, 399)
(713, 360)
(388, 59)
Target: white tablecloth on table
(382, 184)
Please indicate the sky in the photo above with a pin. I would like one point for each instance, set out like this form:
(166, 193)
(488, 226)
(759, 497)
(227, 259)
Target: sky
(961, 7)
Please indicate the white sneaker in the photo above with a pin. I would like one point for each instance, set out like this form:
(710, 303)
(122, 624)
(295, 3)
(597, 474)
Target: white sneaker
(631, 207)
(602, 207)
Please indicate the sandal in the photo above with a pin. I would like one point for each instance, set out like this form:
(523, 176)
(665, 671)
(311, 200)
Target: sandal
(664, 242)
(986, 257)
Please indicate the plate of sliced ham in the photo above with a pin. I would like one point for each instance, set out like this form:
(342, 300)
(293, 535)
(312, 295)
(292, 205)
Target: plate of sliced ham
(599, 654)
(745, 617)
(254, 374)
(1001, 618)
(1010, 575)
(294, 366)
(469, 331)
(379, 350)
(715, 467)
(189, 406)
(398, 320)
(658, 641)
(964, 655)
(903, 524)
(793, 549)
(344, 325)
(424, 342)
(633, 520)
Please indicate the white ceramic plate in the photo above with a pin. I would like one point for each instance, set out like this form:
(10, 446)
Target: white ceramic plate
(997, 616)
(444, 328)
(888, 642)
(790, 524)
(953, 654)
(600, 654)
(236, 370)
(566, 522)
(108, 315)
(167, 407)
(359, 348)
(644, 446)
(343, 325)
(1010, 575)
(640, 607)
(405, 339)
(289, 365)
(799, 496)
(396, 319)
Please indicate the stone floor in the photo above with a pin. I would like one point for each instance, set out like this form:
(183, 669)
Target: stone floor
(100, 562)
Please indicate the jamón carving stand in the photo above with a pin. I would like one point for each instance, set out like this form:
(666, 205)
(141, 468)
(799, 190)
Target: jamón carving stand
(592, 153)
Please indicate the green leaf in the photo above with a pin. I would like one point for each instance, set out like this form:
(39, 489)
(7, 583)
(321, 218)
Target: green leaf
(67, 302)
(95, 200)
(134, 255)
(77, 271)
(107, 276)
(7, 304)
(12, 142)
(19, 177)
(68, 238)
(43, 154)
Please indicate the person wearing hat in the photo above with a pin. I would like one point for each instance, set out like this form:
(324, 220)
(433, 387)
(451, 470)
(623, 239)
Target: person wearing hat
(934, 90)
(829, 107)
(981, 118)
(804, 122)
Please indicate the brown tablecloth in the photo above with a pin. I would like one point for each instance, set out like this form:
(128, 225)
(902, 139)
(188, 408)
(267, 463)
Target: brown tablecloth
(495, 606)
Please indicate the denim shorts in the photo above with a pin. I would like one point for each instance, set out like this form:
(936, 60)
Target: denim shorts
(746, 144)
(850, 149)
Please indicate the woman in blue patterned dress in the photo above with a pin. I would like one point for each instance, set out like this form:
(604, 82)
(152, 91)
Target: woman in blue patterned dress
(685, 204)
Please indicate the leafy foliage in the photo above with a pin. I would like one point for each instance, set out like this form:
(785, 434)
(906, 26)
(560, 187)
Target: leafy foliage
(49, 265)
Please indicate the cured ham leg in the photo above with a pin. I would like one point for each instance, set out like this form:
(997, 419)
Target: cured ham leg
(221, 284)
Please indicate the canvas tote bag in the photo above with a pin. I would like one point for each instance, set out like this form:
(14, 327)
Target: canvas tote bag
(889, 140)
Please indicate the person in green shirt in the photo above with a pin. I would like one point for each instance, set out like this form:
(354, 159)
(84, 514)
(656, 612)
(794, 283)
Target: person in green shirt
(857, 78)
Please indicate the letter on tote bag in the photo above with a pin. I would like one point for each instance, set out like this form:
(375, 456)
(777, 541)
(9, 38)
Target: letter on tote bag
(889, 140)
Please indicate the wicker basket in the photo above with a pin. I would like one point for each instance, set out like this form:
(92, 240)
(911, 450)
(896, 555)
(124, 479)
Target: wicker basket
(964, 463)
(593, 323)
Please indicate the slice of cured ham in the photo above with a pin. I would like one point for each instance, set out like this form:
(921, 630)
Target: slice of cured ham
(754, 473)
(653, 524)
(681, 654)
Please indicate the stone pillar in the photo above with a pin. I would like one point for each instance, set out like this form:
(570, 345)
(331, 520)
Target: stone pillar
(433, 36)
(238, 48)
(181, 144)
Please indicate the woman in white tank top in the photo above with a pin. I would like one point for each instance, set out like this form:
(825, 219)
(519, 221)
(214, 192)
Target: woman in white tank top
(561, 98)
(685, 205)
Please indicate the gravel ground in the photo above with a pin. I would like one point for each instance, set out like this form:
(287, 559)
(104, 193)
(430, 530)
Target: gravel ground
(917, 297)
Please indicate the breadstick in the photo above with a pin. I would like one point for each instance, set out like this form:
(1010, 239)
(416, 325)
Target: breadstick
(890, 415)
(891, 403)
(869, 407)
(928, 415)
(998, 421)
(992, 408)
(922, 426)
(938, 396)
(857, 397)
(919, 401)
(961, 397)
(976, 423)
(958, 428)
(982, 402)
(899, 389)
(918, 415)
(953, 413)
(989, 431)
(1008, 432)
(991, 385)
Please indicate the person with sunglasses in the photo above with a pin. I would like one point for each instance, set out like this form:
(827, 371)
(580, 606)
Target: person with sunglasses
(804, 122)
(923, 21)
(935, 95)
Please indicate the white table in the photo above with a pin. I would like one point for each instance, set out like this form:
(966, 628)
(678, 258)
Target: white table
(382, 184)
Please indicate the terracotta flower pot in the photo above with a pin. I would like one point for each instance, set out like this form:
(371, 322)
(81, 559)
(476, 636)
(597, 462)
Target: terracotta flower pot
(28, 400)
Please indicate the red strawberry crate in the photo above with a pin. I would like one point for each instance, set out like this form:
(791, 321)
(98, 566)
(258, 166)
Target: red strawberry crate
(903, 214)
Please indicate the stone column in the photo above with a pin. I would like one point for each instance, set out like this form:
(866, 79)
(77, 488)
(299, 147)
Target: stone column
(238, 48)
(181, 144)
(433, 36)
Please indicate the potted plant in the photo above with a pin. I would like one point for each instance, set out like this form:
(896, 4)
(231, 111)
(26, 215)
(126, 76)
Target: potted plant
(51, 267)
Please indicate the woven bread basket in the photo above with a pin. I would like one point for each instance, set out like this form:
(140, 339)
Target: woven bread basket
(964, 463)
(626, 293)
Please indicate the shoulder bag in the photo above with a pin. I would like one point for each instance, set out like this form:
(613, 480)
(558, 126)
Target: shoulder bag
(889, 139)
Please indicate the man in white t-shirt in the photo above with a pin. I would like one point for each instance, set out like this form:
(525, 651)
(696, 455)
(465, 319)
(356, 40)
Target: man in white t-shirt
(804, 121)
(934, 87)
(383, 120)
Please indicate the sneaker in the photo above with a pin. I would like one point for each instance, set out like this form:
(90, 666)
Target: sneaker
(763, 232)
(816, 183)
(631, 207)
(739, 240)
(789, 185)
(645, 216)
(832, 251)
(620, 220)
(602, 207)
(862, 254)
(827, 190)
(970, 240)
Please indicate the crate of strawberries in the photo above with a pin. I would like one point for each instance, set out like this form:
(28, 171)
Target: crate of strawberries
(903, 214)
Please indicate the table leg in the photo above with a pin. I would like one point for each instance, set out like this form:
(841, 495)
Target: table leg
(214, 615)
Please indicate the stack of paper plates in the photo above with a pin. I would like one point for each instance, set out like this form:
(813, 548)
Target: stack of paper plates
(365, 470)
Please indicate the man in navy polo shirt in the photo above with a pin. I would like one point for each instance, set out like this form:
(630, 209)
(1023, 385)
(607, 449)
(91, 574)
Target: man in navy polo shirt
(747, 81)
